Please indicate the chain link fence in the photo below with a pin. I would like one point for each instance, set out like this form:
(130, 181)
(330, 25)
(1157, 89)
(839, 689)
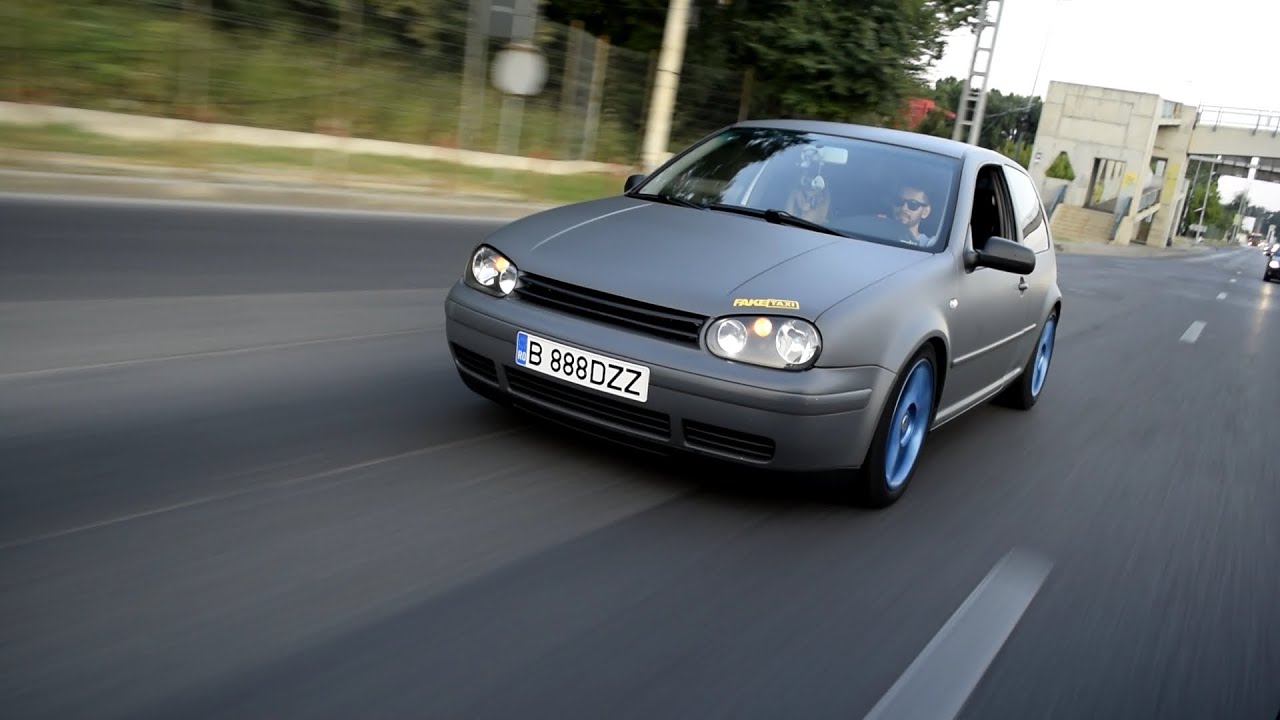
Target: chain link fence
(330, 67)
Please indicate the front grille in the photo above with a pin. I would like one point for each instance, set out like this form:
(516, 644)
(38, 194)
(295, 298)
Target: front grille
(729, 442)
(572, 399)
(475, 363)
(614, 310)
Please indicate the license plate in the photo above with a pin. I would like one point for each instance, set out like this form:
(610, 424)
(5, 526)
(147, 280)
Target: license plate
(581, 367)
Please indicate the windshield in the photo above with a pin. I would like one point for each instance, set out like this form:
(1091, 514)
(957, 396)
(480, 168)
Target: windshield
(866, 190)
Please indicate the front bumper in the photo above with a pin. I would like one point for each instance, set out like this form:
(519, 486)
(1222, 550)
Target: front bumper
(818, 419)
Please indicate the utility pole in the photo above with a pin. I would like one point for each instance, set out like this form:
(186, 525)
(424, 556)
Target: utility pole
(657, 129)
(471, 109)
(973, 97)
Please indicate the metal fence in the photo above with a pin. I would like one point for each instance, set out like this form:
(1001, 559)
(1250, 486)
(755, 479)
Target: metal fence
(296, 70)
(1267, 121)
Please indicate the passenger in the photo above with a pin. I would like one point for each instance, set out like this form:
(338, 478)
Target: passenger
(811, 200)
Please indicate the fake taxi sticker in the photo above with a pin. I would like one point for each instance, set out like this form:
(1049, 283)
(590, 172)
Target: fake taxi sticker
(771, 303)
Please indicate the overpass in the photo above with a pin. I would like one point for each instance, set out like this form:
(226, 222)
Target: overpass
(1237, 136)
(1116, 165)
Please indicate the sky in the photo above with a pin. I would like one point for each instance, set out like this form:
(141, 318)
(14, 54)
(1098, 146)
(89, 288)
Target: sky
(1198, 54)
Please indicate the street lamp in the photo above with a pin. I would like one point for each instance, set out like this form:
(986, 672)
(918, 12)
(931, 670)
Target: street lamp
(1044, 49)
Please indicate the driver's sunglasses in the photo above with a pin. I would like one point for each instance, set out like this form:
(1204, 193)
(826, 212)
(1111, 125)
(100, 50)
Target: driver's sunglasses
(912, 205)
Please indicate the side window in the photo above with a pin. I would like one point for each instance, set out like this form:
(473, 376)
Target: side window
(1029, 209)
(990, 208)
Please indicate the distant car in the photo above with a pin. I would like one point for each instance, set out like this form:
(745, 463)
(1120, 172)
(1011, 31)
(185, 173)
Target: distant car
(766, 297)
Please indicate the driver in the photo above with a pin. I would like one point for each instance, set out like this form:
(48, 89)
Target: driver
(910, 207)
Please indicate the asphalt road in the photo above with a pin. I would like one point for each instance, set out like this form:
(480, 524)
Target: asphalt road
(240, 478)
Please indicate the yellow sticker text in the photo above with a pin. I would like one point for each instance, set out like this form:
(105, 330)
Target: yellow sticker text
(766, 303)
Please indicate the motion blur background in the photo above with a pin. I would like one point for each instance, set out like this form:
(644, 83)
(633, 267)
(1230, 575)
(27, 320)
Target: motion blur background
(239, 475)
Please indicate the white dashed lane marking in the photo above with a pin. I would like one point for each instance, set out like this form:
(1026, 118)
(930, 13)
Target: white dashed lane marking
(939, 681)
(1193, 333)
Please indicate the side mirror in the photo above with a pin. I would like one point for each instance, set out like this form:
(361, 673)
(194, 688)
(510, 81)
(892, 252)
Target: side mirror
(633, 181)
(1006, 256)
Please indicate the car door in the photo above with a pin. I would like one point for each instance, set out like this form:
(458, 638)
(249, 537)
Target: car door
(989, 313)
(1033, 231)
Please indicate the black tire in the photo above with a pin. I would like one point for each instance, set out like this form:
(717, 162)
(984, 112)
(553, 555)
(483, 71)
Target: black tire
(870, 485)
(1022, 393)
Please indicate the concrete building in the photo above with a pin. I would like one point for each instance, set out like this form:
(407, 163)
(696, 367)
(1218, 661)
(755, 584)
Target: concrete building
(1134, 156)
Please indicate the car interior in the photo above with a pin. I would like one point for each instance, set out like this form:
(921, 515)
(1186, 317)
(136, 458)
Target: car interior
(990, 216)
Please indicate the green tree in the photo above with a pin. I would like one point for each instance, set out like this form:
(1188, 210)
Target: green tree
(1061, 168)
(426, 25)
(633, 24)
(1008, 124)
(829, 59)
(1214, 214)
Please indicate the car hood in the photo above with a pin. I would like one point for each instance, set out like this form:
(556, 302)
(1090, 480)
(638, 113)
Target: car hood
(702, 261)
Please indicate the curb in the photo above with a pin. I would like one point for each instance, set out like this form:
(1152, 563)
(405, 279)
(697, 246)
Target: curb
(138, 187)
(1131, 251)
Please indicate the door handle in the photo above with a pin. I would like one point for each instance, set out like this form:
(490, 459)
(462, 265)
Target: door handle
(1022, 285)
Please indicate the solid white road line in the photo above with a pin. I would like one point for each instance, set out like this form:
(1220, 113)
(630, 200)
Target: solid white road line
(1193, 333)
(264, 487)
(209, 353)
(938, 683)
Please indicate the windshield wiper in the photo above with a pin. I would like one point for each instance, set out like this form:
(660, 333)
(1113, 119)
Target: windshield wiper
(670, 200)
(778, 217)
(782, 217)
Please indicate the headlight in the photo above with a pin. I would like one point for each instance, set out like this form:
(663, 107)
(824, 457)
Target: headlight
(778, 342)
(1274, 264)
(492, 272)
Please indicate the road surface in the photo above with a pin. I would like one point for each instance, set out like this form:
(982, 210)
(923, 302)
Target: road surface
(240, 478)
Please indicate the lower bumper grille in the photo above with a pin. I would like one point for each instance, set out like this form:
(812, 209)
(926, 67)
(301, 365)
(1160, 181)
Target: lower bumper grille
(732, 442)
(584, 402)
(475, 363)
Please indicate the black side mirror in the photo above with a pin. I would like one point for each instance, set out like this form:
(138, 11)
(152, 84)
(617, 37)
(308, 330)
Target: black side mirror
(633, 182)
(1006, 256)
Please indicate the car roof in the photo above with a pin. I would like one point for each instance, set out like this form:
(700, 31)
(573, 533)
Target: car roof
(904, 138)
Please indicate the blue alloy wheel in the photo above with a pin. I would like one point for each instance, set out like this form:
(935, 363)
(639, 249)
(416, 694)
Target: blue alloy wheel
(910, 422)
(1044, 353)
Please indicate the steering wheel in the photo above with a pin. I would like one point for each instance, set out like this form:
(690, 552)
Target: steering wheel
(878, 226)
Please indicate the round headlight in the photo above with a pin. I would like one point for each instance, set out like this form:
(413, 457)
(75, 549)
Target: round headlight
(731, 336)
(507, 279)
(493, 271)
(1274, 264)
(785, 343)
(796, 342)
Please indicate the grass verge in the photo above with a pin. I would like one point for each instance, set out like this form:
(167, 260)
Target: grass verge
(102, 153)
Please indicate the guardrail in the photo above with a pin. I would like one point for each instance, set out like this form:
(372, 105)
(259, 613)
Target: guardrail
(1055, 199)
(1121, 210)
(1150, 196)
(1239, 118)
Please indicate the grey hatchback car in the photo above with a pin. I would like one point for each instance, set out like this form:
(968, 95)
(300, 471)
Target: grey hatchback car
(794, 295)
